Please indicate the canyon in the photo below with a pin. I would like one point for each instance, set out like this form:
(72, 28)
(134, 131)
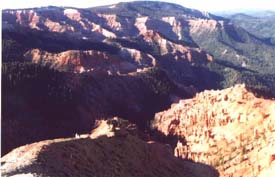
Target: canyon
(135, 89)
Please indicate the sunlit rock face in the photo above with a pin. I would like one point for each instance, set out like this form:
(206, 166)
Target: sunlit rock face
(73, 60)
(202, 25)
(111, 20)
(230, 129)
(126, 61)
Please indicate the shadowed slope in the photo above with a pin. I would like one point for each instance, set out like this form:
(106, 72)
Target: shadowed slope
(118, 151)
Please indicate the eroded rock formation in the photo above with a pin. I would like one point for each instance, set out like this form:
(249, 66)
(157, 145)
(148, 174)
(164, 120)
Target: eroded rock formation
(229, 129)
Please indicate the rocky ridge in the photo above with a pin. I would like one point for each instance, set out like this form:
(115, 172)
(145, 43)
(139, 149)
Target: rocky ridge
(229, 129)
(129, 60)
(90, 25)
(113, 148)
(177, 26)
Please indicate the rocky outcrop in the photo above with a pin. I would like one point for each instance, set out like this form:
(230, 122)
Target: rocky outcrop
(112, 21)
(229, 129)
(128, 60)
(113, 127)
(122, 154)
(201, 25)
